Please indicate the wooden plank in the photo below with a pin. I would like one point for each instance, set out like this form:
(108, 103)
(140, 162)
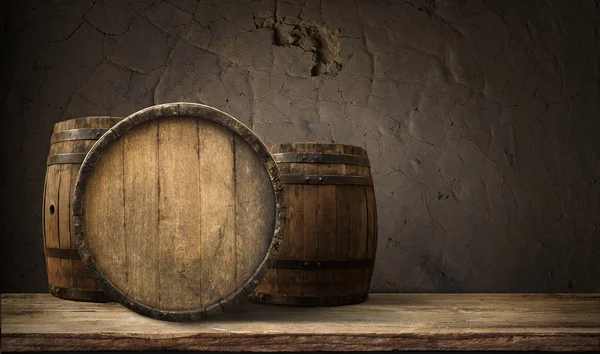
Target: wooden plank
(311, 230)
(342, 206)
(81, 278)
(75, 265)
(217, 212)
(356, 201)
(358, 226)
(62, 212)
(327, 234)
(362, 239)
(140, 176)
(43, 214)
(433, 322)
(277, 279)
(371, 231)
(329, 198)
(290, 282)
(342, 209)
(64, 225)
(179, 241)
(255, 211)
(104, 208)
(51, 222)
(362, 216)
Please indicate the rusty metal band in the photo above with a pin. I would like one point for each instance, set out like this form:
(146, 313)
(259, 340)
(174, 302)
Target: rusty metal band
(327, 179)
(67, 253)
(319, 157)
(79, 294)
(280, 299)
(65, 158)
(78, 134)
(322, 264)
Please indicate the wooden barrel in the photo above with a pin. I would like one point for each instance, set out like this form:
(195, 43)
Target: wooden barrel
(179, 211)
(70, 142)
(329, 248)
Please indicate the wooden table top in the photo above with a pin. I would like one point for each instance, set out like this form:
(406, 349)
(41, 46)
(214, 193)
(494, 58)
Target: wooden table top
(433, 322)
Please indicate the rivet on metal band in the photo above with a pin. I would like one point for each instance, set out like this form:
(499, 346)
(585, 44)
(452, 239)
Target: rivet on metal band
(66, 253)
(78, 134)
(327, 179)
(65, 158)
(322, 264)
(319, 157)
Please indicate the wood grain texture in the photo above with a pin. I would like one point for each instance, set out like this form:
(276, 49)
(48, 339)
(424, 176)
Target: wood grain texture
(178, 211)
(179, 265)
(67, 278)
(327, 222)
(251, 241)
(143, 188)
(218, 213)
(385, 322)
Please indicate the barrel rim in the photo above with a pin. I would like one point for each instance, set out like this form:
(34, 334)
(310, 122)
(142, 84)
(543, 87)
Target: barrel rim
(116, 119)
(77, 134)
(321, 157)
(160, 112)
(319, 144)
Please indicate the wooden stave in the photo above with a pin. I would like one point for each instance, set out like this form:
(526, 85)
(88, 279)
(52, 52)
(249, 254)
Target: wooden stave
(281, 298)
(183, 109)
(94, 294)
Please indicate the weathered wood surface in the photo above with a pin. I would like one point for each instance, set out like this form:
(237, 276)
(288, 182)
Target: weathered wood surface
(67, 277)
(523, 322)
(328, 223)
(178, 212)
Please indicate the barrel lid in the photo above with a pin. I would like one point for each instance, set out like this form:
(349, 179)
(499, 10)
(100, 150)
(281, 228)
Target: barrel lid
(179, 211)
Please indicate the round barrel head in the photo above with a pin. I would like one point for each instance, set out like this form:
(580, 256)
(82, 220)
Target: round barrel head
(178, 211)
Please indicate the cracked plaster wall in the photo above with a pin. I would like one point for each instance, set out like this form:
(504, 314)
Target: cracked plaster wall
(481, 119)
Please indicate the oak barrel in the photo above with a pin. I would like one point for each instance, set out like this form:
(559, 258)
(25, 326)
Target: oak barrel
(329, 248)
(70, 141)
(179, 211)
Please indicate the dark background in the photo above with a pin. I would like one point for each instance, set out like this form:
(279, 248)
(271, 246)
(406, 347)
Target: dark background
(481, 118)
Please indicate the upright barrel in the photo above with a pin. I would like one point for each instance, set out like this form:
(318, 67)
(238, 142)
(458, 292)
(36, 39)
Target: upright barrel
(179, 211)
(70, 142)
(329, 248)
